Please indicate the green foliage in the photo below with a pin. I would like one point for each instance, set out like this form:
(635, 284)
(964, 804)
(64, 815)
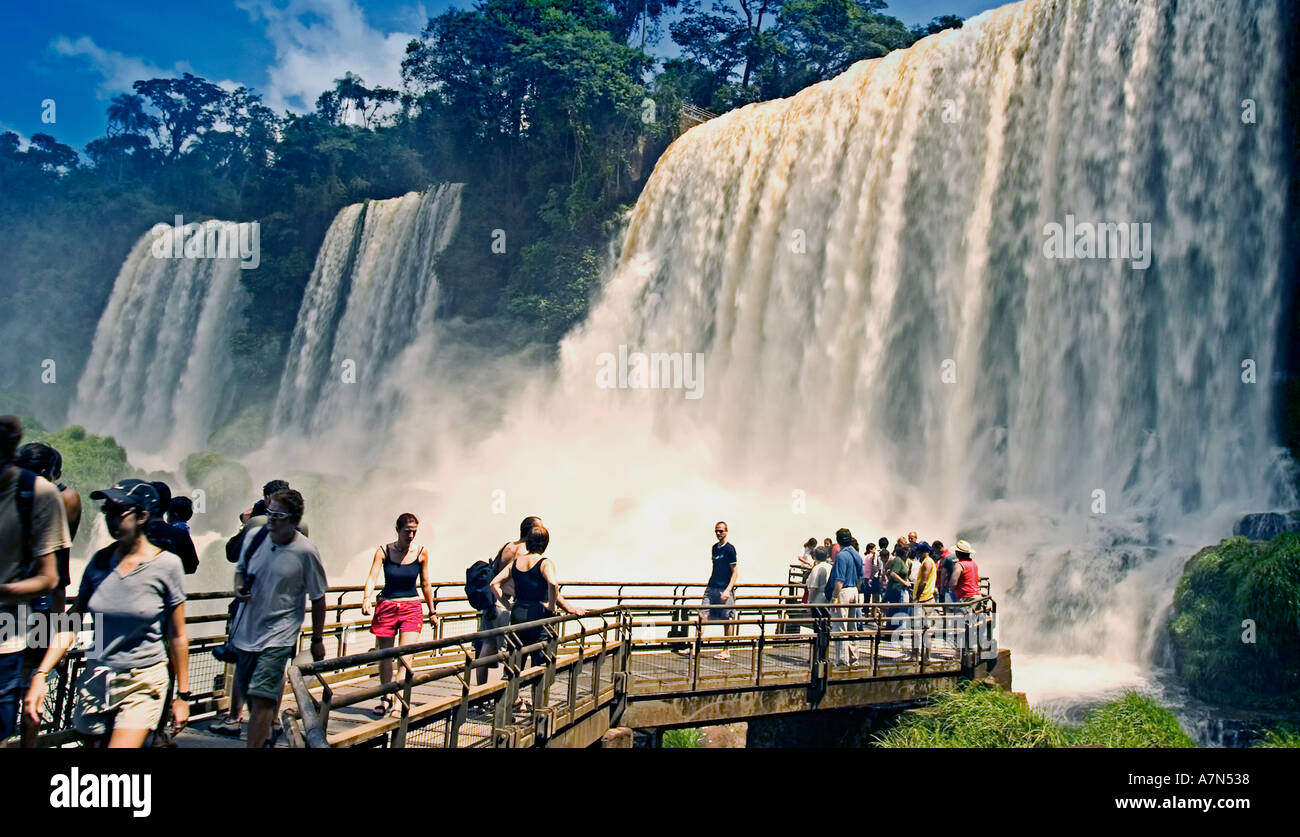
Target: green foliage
(974, 717)
(977, 716)
(1132, 721)
(1281, 736)
(682, 738)
(1221, 588)
(89, 462)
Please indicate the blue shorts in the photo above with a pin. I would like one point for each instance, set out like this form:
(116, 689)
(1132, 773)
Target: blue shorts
(11, 692)
(713, 596)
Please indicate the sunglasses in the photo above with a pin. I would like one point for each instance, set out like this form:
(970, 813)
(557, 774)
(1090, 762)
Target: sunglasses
(114, 511)
(278, 515)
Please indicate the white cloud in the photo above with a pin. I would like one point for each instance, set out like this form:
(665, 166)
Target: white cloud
(117, 71)
(317, 41)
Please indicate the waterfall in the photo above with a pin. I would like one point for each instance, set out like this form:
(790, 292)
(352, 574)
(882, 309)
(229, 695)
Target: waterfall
(865, 268)
(364, 331)
(159, 374)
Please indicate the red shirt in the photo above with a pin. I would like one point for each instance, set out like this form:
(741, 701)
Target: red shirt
(968, 586)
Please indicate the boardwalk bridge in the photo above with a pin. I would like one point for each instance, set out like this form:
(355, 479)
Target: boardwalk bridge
(640, 658)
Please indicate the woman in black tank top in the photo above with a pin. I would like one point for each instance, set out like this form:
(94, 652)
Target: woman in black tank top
(397, 611)
(537, 592)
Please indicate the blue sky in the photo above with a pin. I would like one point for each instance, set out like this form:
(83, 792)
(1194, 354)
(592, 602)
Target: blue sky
(80, 53)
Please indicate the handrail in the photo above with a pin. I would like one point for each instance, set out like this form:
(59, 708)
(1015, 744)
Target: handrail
(956, 632)
(764, 623)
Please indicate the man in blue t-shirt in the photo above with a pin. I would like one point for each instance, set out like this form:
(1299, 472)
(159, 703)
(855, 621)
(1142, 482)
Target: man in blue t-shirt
(722, 585)
(842, 588)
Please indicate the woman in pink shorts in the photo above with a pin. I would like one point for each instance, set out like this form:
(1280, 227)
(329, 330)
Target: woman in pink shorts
(398, 608)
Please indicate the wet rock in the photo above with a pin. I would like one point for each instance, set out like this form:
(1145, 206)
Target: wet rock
(1265, 526)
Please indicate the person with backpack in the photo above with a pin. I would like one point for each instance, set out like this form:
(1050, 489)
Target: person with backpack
(33, 529)
(537, 591)
(493, 608)
(273, 584)
(135, 591)
(398, 608)
(47, 462)
(171, 538)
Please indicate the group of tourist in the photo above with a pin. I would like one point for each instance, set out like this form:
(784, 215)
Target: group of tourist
(134, 685)
(913, 574)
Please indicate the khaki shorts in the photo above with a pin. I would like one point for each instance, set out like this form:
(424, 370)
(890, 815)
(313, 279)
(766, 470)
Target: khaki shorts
(131, 699)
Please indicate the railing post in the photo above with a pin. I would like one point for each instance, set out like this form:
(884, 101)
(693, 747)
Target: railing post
(820, 673)
(399, 736)
(875, 644)
(758, 655)
(462, 710)
(505, 707)
(542, 689)
(699, 651)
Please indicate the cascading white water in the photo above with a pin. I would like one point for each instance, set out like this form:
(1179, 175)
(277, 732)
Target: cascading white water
(158, 375)
(888, 346)
(863, 266)
(364, 330)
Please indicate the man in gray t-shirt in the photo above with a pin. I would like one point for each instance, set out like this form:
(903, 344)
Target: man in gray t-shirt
(274, 583)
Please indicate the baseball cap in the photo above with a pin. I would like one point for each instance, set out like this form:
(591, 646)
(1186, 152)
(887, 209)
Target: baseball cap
(137, 493)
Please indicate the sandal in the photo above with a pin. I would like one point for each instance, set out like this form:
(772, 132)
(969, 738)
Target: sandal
(382, 708)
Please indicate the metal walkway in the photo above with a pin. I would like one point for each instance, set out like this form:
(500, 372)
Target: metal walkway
(642, 665)
(642, 657)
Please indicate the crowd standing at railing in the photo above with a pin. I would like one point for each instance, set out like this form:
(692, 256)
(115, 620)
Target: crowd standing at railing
(134, 685)
(914, 574)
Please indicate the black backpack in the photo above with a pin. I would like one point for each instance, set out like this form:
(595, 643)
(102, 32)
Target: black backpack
(478, 582)
(25, 499)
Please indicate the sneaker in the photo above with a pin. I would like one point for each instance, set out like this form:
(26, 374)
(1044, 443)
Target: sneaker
(225, 726)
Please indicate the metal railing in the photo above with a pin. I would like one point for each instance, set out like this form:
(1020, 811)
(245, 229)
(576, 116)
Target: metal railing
(583, 666)
(629, 624)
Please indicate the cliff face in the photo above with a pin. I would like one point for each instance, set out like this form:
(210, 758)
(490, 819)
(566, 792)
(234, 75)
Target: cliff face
(1235, 622)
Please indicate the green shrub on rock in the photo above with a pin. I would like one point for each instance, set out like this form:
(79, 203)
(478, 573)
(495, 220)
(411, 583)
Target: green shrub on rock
(89, 462)
(1132, 721)
(1235, 623)
(978, 716)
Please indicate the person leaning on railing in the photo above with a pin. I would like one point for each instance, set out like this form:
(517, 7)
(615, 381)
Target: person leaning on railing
(965, 582)
(537, 591)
